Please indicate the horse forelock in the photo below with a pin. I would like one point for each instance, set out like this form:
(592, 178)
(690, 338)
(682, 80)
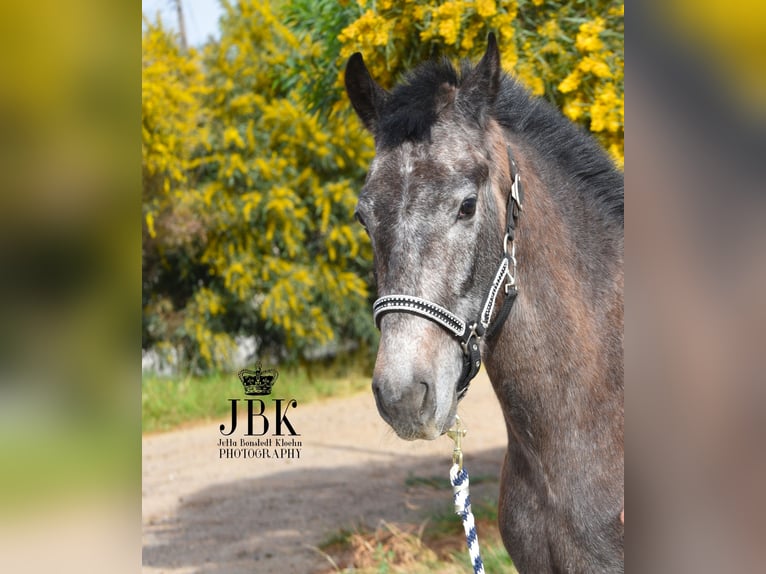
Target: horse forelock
(416, 104)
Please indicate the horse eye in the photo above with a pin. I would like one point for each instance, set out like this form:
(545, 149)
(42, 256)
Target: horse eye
(359, 218)
(467, 208)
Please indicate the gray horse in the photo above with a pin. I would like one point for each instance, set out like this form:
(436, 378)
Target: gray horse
(452, 237)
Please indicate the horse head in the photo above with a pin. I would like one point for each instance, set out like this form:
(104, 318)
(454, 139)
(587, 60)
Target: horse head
(434, 205)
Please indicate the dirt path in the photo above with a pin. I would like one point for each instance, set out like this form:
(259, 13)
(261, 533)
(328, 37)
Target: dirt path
(205, 514)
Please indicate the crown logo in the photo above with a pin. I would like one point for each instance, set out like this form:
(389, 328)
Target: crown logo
(259, 381)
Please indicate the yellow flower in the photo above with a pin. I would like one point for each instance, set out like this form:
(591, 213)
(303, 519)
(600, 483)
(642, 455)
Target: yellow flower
(601, 70)
(571, 82)
(468, 37)
(618, 155)
(573, 109)
(531, 80)
(486, 8)
(596, 67)
(368, 24)
(597, 118)
(508, 55)
(448, 31)
(619, 11)
(150, 224)
(231, 135)
(588, 43)
(587, 38)
(381, 35)
(550, 29)
(607, 95)
(604, 110)
(551, 48)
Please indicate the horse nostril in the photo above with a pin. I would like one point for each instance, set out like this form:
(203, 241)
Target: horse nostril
(378, 398)
(415, 402)
(427, 404)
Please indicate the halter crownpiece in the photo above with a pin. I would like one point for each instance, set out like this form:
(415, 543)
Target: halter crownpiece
(469, 333)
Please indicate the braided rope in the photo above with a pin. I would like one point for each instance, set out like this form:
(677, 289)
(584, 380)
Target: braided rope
(459, 478)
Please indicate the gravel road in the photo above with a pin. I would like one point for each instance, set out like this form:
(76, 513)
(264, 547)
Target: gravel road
(207, 514)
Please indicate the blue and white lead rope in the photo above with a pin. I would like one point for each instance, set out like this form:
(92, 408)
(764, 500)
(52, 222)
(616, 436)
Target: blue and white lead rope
(459, 478)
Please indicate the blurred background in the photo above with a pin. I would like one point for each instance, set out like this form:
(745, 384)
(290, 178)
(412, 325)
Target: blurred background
(229, 236)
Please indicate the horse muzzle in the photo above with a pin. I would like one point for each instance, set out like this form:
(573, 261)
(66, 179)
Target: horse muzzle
(414, 386)
(410, 408)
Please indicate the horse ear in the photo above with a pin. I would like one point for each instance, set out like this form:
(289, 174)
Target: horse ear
(481, 87)
(365, 94)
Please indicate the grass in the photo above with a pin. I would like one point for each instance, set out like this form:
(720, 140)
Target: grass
(436, 545)
(441, 483)
(169, 402)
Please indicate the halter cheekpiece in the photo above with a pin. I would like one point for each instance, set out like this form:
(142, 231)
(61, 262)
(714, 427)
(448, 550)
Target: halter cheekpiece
(469, 333)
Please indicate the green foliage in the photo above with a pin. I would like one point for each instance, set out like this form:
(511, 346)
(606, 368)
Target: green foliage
(320, 23)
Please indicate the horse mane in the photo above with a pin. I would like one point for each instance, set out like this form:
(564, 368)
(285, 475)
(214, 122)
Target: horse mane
(412, 107)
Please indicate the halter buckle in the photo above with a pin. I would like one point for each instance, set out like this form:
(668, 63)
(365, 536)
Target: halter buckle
(516, 190)
(471, 334)
(507, 239)
(456, 433)
(510, 272)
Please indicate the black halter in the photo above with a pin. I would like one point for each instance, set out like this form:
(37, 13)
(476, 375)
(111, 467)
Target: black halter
(469, 334)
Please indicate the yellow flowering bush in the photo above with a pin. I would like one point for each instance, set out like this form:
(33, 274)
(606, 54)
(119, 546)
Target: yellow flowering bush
(271, 191)
(170, 112)
(171, 116)
(570, 52)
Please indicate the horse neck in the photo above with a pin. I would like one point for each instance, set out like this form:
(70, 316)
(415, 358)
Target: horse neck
(557, 363)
